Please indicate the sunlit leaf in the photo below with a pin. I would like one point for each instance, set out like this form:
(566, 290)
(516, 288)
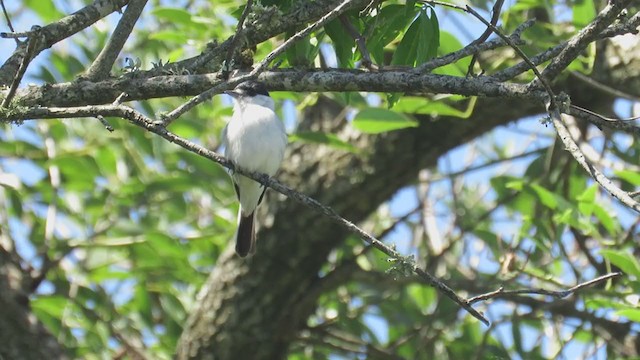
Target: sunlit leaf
(376, 120)
(322, 138)
(625, 260)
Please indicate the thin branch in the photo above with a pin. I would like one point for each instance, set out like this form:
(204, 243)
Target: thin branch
(599, 177)
(626, 27)
(559, 294)
(473, 49)
(403, 264)
(602, 87)
(360, 41)
(489, 163)
(102, 65)
(16, 35)
(8, 18)
(29, 54)
(602, 121)
(299, 36)
(584, 37)
(495, 16)
(506, 39)
(226, 67)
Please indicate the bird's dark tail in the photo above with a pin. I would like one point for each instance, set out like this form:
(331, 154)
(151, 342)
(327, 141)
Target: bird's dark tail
(246, 238)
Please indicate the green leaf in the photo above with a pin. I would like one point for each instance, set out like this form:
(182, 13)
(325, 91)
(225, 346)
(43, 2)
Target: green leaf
(631, 314)
(319, 137)
(631, 177)
(47, 11)
(173, 15)
(376, 120)
(606, 219)
(419, 105)
(420, 42)
(422, 295)
(584, 11)
(388, 25)
(302, 52)
(343, 44)
(624, 260)
(547, 198)
(53, 305)
(449, 43)
(172, 36)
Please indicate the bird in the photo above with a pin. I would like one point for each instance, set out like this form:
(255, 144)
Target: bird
(254, 140)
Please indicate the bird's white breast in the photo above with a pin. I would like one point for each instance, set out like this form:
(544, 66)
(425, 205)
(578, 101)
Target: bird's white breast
(255, 138)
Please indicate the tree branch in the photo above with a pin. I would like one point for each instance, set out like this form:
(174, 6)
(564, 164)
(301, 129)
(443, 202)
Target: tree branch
(226, 66)
(101, 67)
(60, 30)
(81, 92)
(587, 35)
(558, 294)
(599, 177)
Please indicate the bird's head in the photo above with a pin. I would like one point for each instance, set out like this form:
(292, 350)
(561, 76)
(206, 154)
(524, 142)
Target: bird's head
(251, 92)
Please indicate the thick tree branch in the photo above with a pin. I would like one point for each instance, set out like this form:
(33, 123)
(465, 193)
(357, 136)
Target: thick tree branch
(103, 92)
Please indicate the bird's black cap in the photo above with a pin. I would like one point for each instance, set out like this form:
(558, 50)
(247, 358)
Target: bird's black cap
(251, 88)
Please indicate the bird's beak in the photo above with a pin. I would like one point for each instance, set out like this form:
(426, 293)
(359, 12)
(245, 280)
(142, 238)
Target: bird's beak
(232, 93)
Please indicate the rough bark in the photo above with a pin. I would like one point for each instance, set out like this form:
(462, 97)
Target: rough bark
(22, 336)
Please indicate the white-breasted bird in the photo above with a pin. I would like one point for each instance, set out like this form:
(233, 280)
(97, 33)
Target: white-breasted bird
(254, 140)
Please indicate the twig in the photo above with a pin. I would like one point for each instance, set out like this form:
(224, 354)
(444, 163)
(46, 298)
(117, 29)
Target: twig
(473, 49)
(226, 66)
(105, 123)
(602, 87)
(506, 39)
(138, 119)
(495, 15)
(628, 26)
(6, 16)
(206, 95)
(101, 67)
(601, 121)
(599, 177)
(360, 41)
(15, 35)
(29, 54)
(501, 292)
(300, 35)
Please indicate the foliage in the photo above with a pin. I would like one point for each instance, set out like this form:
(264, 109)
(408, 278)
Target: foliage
(127, 226)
